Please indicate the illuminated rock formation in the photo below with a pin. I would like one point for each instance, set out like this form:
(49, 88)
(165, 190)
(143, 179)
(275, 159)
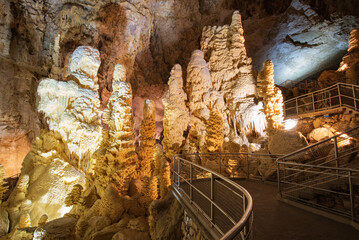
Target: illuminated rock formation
(25, 220)
(117, 163)
(75, 196)
(3, 188)
(272, 96)
(43, 220)
(214, 132)
(230, 70)
(147, 139)
(176, 116)
(71, 107)
(165, 179)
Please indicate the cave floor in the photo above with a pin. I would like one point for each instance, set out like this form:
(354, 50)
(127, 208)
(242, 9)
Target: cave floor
(274, 219)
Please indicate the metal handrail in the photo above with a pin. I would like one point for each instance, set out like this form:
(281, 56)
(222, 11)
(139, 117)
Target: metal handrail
(292, 188)
(318, 143)
(240, 228)
(327, 95)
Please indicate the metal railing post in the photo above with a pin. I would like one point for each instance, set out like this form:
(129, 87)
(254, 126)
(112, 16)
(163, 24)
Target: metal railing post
(190, 181)
(340, 98)
(174, 169)
(247, 165)
(179, 172)
(313, 102)
(354, 98)
(296, 105)
(352, 213)
(220, 163)
(278, 179)
(336, 154)
(212, 196)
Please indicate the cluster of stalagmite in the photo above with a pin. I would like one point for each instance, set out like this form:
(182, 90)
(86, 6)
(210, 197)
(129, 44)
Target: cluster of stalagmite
(165, 179)
(231, 71)
(147, 139)
(176, 116)
(272, 96)
(354, 40)
(117, 163)
(214, 132)
(3, 188)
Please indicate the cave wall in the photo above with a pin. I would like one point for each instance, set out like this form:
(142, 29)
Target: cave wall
(148, 38)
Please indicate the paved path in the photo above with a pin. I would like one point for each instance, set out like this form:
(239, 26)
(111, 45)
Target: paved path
(275, 220)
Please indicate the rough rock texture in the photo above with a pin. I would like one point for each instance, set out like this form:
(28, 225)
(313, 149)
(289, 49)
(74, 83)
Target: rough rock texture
(165, 218)
(319, 134)
(230, 69)
(3, 188)
(4, 221)
(71, 108)
(214, 132)
(116, 160)
(147, 139)
(302, 43)
(272, 96)
(284, 142)
(148, 38)
(176, 115)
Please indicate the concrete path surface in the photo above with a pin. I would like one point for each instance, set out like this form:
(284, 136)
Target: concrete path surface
(275, 220)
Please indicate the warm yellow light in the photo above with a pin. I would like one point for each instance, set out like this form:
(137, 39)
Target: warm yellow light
(290, 123)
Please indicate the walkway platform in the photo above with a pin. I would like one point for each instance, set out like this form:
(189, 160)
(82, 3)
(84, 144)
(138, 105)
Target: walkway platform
(277, 220)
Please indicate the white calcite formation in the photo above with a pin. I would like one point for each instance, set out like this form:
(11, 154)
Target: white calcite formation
(176, 116)
(61, 155)
(231, 71)
(71, 107)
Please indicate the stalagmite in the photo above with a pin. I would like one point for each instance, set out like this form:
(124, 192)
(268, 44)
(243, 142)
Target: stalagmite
(117, 163)
(3, 188)
(272, 96)
(214, 132)
(230, 70)
(176, 116)
(147, 139)
(165, 179)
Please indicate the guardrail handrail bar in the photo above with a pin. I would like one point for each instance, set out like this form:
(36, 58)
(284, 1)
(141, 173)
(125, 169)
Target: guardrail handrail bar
(240, 225)
(316, 144)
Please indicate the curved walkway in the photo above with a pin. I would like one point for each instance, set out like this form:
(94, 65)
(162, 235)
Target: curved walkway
(276, 220)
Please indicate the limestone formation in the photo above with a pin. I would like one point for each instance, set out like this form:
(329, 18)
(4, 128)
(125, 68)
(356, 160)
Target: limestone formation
(176, 116)
(43, 220)
(214, 132)
(3, 188)
(25, 220)
(151, 190)
(71, 107)
(354, 40)
(165, 179)
(272, 96)
(75, 196)
(147, 139)
(117, 163)
(159, 159)
(230, 70)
